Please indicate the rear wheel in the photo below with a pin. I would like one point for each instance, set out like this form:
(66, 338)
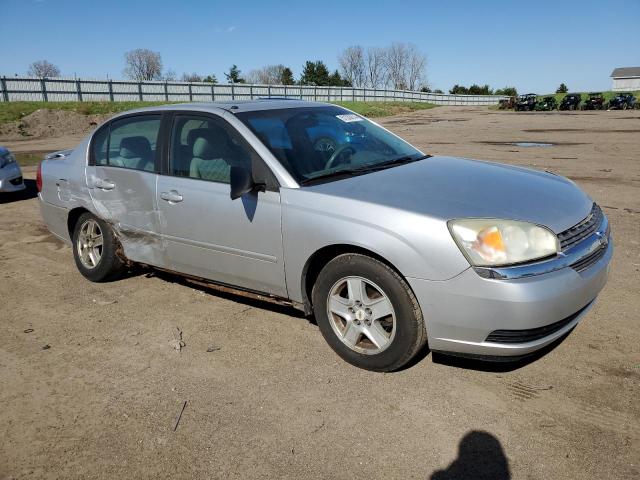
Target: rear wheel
(95, 249)
(367, 313)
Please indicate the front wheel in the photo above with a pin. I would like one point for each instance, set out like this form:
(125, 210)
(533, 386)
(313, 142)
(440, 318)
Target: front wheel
(95, 249)
(367, 313)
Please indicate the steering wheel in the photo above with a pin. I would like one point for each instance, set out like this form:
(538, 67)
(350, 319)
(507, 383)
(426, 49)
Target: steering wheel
(339, 151)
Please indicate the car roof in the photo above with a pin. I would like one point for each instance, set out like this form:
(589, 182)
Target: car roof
(234, 106)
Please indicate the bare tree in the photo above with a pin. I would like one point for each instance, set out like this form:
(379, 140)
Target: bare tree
(43, 68)
(376, 67)
(143, 64)
(396, 63)
(267, 75)
(416, 66)
(191, 77)
(406, 66)
(352, 64)
(169, 76)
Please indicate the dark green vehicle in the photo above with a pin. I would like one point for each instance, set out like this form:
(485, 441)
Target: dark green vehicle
(623, 101)
(547, 104)
(594, 102)
(571, 101)
(526, 102)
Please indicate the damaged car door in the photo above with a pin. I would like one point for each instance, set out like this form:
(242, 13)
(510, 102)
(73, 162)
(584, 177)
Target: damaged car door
(205, 232)
(121, 177)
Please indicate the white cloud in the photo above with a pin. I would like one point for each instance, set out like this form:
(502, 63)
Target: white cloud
(231, 28)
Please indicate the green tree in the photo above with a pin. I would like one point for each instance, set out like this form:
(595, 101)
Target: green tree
(210, 79)
(286, 76)
(459, 90)
(336, 80)
(314, 73)
(425, 89)
(480, 90)
(509, 91)
(562, 88)
(234, 75)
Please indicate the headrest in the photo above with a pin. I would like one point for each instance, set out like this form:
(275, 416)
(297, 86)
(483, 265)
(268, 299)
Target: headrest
(209, 143)
(135, 147)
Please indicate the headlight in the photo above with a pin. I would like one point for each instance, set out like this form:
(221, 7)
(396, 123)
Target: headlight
(6, 159)
(491, 242)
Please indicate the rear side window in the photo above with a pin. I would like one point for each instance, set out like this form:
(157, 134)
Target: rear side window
(100, 146)
(128, 143)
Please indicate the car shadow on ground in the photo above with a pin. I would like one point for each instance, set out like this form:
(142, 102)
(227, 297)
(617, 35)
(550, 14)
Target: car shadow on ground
(31, 191)
(480, 457)
(496, 364)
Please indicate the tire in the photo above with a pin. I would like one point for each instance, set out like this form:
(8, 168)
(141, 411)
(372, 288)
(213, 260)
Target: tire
(394, 319)
(95, 243)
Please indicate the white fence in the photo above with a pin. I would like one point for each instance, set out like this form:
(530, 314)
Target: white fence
(14, 89)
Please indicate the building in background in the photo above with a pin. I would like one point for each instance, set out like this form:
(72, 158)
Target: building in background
(626, 78)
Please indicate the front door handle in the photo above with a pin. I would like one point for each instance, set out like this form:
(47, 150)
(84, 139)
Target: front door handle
(172, 196)
(104, 184)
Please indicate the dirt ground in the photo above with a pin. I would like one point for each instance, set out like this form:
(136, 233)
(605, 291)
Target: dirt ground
(90, 386)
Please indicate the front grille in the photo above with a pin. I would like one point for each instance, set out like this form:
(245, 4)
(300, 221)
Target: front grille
(589, 260)
(582, 230)
(531, 334)
(16, 181)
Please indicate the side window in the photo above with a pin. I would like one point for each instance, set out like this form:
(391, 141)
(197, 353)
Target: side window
(100, 146)
(205, 148)
(133, 142)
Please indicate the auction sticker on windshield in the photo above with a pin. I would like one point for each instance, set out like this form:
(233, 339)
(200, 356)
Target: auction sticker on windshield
(349, 118)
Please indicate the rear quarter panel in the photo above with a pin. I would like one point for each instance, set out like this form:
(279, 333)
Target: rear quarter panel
(64, 188)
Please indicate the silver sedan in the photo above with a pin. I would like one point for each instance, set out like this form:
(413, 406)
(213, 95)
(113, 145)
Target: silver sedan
(10, 173)
(313, 205)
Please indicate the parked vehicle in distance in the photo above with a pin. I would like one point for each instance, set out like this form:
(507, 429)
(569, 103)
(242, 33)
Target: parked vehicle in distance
(622, 101)
(571, 101)
(526, 102)
(546, 104)
(389, 247)
(507, 103)
(10, 173)
(595, 101)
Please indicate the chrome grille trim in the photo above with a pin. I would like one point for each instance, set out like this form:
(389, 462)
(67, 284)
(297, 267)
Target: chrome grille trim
(582, 230)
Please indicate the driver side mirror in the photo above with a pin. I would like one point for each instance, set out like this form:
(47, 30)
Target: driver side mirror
(242, 182)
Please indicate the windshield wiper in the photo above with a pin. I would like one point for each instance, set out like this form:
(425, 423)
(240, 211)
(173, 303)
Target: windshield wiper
(347, 172)
(351, 172)
(390, 163)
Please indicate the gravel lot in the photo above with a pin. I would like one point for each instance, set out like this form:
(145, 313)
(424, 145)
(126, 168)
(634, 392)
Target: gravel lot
(90, 386)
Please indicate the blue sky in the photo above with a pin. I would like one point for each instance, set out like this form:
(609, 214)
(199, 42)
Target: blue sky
(532, 45)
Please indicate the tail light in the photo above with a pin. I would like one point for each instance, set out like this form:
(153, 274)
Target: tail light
(39, 177)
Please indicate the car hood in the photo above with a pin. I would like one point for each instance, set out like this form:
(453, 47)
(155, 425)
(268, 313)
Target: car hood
(449, 187)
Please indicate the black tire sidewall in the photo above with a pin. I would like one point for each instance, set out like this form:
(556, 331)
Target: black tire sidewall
(110, 264)
(409, 334)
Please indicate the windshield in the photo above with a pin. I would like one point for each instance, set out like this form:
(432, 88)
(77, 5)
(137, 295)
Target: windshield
(314, 142)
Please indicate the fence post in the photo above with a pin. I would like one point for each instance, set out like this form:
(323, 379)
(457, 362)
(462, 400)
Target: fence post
(268, 91)
(353, 94)
(251, 91)
(315, 93)
(110, 91)
(79, 90)
(166, 92)
(43, 86)
(190, 94)
(233, 93)
(140, 90)
(213, 92)
(5, 93)
(285, 91)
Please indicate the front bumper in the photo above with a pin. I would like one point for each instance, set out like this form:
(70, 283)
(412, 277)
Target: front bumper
(461, 313)
(11, 178)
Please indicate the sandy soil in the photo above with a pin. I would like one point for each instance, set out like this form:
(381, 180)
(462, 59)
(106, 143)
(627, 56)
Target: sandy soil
(90, 386)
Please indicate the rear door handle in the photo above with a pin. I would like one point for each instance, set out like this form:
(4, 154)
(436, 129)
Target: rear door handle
(104, 184)
(172, 196)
